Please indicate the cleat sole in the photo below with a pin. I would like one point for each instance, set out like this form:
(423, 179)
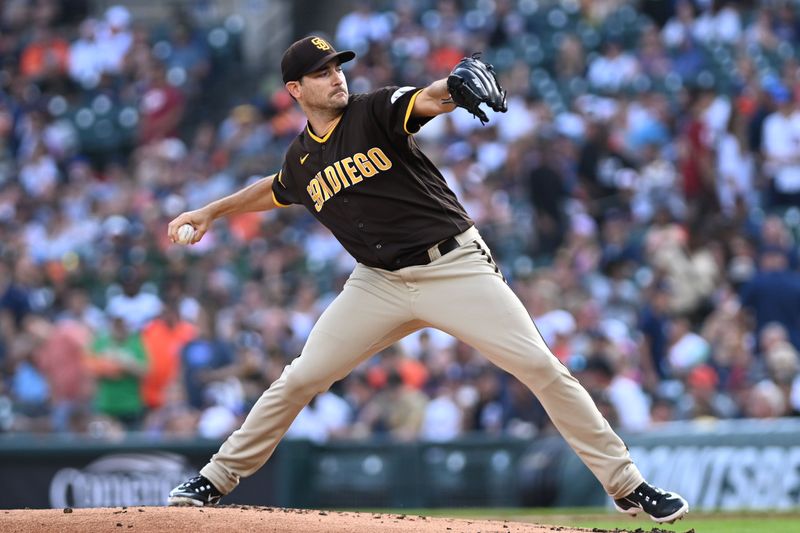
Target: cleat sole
(181, 501)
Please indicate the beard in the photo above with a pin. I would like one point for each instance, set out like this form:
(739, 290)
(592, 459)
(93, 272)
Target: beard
(339, 99)
(331, 104)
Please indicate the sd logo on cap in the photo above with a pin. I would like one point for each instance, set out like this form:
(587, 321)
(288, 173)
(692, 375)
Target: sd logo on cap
(310, 54)
(320, 43)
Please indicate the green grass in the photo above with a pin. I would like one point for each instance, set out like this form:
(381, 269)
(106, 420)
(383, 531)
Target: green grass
(742, 522)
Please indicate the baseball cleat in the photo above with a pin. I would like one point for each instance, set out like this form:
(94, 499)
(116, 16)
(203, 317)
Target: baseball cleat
(195, 492)
(660, 505)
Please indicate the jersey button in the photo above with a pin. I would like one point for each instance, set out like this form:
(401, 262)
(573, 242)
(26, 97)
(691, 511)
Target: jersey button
(346, 200)
(378, 246)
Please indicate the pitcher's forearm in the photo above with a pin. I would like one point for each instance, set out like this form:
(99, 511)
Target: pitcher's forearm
(430, 101)
(254, 197)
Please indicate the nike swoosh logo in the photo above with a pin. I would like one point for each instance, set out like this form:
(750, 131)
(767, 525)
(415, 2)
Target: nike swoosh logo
(400, 92)
(303, 159)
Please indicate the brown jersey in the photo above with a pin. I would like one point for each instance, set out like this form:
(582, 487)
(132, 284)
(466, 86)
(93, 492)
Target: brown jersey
(368, 182)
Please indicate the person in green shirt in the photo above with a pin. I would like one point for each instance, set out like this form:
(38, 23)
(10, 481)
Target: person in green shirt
(119, 361)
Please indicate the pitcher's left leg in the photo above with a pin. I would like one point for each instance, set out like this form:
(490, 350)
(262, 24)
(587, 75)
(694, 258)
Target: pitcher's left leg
(467, 298)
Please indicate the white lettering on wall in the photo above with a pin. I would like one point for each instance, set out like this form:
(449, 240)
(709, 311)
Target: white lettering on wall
(119, 480)
(725, 477)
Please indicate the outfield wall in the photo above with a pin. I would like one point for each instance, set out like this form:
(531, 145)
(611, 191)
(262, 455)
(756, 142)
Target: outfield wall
(728, 465)
(725, 465)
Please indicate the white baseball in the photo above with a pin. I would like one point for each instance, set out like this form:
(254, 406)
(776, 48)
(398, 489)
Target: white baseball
(185, 234)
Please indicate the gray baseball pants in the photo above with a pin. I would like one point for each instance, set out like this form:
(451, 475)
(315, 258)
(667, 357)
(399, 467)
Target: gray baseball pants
(459, 293)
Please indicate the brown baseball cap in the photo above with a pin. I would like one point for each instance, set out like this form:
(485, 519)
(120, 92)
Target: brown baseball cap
(309, 54)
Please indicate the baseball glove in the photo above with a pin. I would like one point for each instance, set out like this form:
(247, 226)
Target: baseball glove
(473, 82)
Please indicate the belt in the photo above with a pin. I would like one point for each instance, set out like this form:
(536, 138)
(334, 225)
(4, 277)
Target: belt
(441, 248)
(444, 247)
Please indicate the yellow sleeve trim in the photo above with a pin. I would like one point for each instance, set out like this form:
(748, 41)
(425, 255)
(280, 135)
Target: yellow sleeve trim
(408, 111)
(275, 199)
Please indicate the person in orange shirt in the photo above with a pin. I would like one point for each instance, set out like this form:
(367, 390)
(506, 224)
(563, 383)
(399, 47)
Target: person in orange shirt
(163, 338)
(46, 57)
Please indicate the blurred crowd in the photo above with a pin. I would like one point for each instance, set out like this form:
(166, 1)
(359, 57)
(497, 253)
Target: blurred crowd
(642, 196)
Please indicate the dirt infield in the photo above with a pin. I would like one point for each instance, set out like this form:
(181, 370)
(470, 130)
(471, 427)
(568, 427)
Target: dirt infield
(246, 518)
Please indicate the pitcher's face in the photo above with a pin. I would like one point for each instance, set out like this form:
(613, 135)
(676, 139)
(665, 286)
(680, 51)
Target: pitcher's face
(325, 88)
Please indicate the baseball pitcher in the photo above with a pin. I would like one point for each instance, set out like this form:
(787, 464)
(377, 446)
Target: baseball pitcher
(420, 263)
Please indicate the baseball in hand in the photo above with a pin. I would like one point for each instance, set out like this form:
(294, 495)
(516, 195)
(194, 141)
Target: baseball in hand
(185, 234)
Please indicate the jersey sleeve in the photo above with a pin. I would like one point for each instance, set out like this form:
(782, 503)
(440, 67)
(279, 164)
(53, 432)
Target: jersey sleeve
(283, 190)
(392, 107)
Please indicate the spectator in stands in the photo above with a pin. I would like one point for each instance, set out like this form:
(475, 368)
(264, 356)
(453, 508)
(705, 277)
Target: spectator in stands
(361, 27)
(783, 365)
(358, 394)
(786, 24)
(760, 32)
(570, 62)
(119, 362)
(28, 387)
(162, 106)
(243, 136)
(686, 350)
(614, 69)
(115, 37)
(689, 268)
(680, 28)
(781, 140)
(188, 60)
(217, 422)
(398, 410)
(794, 396)
(78, 308)
(443, 417)
(164, 338)
(599, 165)
(46, 57)
(696, 159)
(39, 174)
(15, 293)
(657, 186)
(548, 195)
(688, 60)
(487, 413)
(631, 405)
(326, 417)
(765, 401)
(652, 56)
(719, 23)
(774, 233)
(139, 56)
(60, 353)
(773, 294)
(736, 167)
(505, 26)
(702, 399)
(731, 344)
(87, 60)
(174, 418)
(205, 359)
(134, 304)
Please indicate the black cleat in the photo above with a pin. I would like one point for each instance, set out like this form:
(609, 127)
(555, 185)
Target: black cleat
(197, 491)
(660, 505)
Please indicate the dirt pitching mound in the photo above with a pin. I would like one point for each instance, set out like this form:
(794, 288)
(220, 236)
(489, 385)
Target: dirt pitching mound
(246, 518)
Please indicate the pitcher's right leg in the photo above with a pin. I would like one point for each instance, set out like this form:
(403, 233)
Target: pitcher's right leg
(321, 364)
(370, 314)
